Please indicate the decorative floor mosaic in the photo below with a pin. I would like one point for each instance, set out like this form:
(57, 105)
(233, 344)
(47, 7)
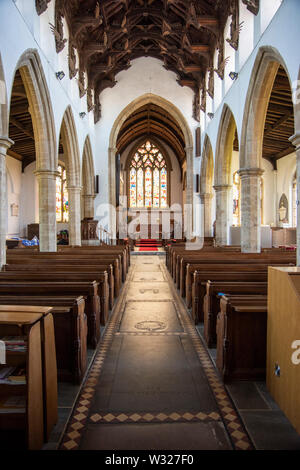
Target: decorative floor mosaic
(82, 416)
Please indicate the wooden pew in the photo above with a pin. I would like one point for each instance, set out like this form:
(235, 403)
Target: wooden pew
(245, 265)
(69, 268)
(57, 260)
(89, 290)
(49, 368)
(70, 331)
(201, 278)
(211, 304)
(241, 337)
(53, 276)
(187, 265)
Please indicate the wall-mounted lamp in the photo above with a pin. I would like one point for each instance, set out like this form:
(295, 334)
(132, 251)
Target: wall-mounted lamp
(82, 114)
(210, 115)
(233, 75)
(60, 75)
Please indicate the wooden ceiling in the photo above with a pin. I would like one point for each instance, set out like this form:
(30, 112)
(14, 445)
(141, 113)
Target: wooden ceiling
(109, 34)
(152, 120)
(279, 125)
(20, 124)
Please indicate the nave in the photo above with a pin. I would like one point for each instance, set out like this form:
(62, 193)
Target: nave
(153, 384)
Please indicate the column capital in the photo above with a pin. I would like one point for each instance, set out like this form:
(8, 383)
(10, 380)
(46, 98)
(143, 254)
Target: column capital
(242, 172)
(5, 143)
(46, 173)
(295, 139)
(89, 196)
(189, 148)
(74, 188)
(112, 149)
(205, 196)
(222, 187)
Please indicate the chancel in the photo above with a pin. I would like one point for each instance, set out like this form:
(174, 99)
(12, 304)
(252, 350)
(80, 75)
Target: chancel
(149, 226)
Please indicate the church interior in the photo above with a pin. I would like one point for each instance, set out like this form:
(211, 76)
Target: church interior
(149, 225)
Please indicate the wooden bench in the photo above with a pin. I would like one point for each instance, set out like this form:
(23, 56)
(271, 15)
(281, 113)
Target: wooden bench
(89, 290)
(242, 337)
(70, 330)
(211, 304)
(86, 264)
(55, 276)
(201, 278)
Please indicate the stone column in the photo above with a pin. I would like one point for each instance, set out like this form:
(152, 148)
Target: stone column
(222, 213)
(47, 209)
(112, 151)
(295, 139)
(88, 205)
(250, 210)
(74, 215)
(188, 210)
(276, 215)
(206, 199)
(5, 143)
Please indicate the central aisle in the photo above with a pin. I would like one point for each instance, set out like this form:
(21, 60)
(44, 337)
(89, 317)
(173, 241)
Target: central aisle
(152, 384)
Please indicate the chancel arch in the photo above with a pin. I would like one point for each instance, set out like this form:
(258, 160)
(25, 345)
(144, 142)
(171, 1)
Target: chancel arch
(179, 137)
(71, 160)
(206, 186)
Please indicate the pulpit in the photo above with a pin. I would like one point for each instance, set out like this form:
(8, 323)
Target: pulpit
(89, 232)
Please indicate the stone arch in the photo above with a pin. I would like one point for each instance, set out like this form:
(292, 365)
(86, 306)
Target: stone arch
(88, 180)
(206, 185)
(263, 74)
(41, 111)
(176, 113)
(72, 161)
(222, 184)
(3, 104)
(71, 148)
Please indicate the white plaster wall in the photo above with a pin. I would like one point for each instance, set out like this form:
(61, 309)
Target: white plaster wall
(146, 75)
(29, 207)
(13, 178)
(269, 216)
(286, 170)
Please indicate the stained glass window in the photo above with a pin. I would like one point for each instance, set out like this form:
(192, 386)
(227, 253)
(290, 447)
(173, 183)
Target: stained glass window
(62, 199)
(148, 178)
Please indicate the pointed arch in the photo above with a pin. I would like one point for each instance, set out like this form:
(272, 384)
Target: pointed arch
(267, 63)
(189, 148)
(207, 168)
(226, 132)
(88, 180)
(41, 111)
(3, 104)
(72, 162)
(71, 148)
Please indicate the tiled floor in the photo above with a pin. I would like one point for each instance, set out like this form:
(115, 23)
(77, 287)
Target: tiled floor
(153, 384)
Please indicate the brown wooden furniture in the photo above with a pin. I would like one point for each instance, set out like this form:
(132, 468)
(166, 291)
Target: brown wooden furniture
(241, 337)
(24, 420)
(89, 290)
(211, 304)
(201, 278)
(70, 331)
(66, 277)
(283, 340)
